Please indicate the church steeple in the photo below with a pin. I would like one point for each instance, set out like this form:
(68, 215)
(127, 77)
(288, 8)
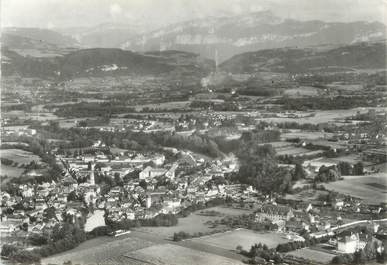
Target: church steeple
(91, 179)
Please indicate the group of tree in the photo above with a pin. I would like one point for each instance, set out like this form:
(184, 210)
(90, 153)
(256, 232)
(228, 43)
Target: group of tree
(92, 109)
(178, 236)
(293, 245)
(327, 103)
(347, 169)
(260, 254)
(159, 220)
(327, 174)
(63, 238)
(8, 162)
(259, 168)
(41, 148)
(225, 106)
(200, 206)
(247, 222)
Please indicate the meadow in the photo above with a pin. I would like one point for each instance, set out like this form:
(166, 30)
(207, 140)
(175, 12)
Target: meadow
(312, 254)
(18, 156)
(246, 238)
(102, 250)
(369, 188)
(195, 222)
(175, 255)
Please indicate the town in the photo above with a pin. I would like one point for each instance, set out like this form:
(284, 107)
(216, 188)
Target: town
(258, 156)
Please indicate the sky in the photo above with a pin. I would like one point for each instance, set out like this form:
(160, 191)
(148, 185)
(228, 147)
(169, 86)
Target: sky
(156, 13)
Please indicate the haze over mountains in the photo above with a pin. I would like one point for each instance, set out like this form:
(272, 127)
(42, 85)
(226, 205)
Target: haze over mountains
(244, 44)
(261, 30)
(215, 38)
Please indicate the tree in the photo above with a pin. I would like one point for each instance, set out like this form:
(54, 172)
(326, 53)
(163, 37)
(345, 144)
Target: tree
(299, 172)
(72, 196)
(143, 184)
(49, 213)
(258, 165)
(8, 250)
(24, 256)
(359, 257)
(239, 248)
(118, 179)
(345, 168)
(358, 168)
(37, 239)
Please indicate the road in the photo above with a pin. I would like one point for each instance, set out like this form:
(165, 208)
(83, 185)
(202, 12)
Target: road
(332, 229)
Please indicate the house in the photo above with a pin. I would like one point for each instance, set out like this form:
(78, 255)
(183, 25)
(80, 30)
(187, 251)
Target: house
(6, 230)
(88, 158)
(149, 173)
(171, 172)
(158, 160)
(375, 155)
(314, 165)
(339, 204)
(324, 226)
(274, 213)
(27, 192)
(351, 243)
(347, 244)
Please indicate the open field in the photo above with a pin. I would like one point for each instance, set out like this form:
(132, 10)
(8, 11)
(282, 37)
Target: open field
(302, 91)
(100, 250)
(194, 223)
(311, 254)
(297, 151)
(19, 156)
(306, 195)
(351, 158)
(165, 105)
(123, 250)
(10, 171)
(287, 148)
(305, 135)
(345, 87)
(369, 188)
(175, 255)
(246, 238)
(322, 116)
(15, 143)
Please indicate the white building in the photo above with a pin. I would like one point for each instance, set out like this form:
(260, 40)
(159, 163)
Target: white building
(350, 244)
(150, 173)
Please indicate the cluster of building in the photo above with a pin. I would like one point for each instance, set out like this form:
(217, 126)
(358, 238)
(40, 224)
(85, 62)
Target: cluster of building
(127, 186)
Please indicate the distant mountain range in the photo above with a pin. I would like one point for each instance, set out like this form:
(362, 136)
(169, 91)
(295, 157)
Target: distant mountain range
(43, 35)
(117, 62)
(215, 38)
(105, 62)
(291, 60)
(37, 42)
(105, 35)
(228, 36)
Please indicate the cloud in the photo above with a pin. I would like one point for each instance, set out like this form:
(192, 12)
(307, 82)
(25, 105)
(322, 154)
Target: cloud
(115, 10)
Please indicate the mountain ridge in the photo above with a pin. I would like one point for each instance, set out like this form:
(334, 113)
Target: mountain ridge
(102, 62)
(301, 60)
(255, 31)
